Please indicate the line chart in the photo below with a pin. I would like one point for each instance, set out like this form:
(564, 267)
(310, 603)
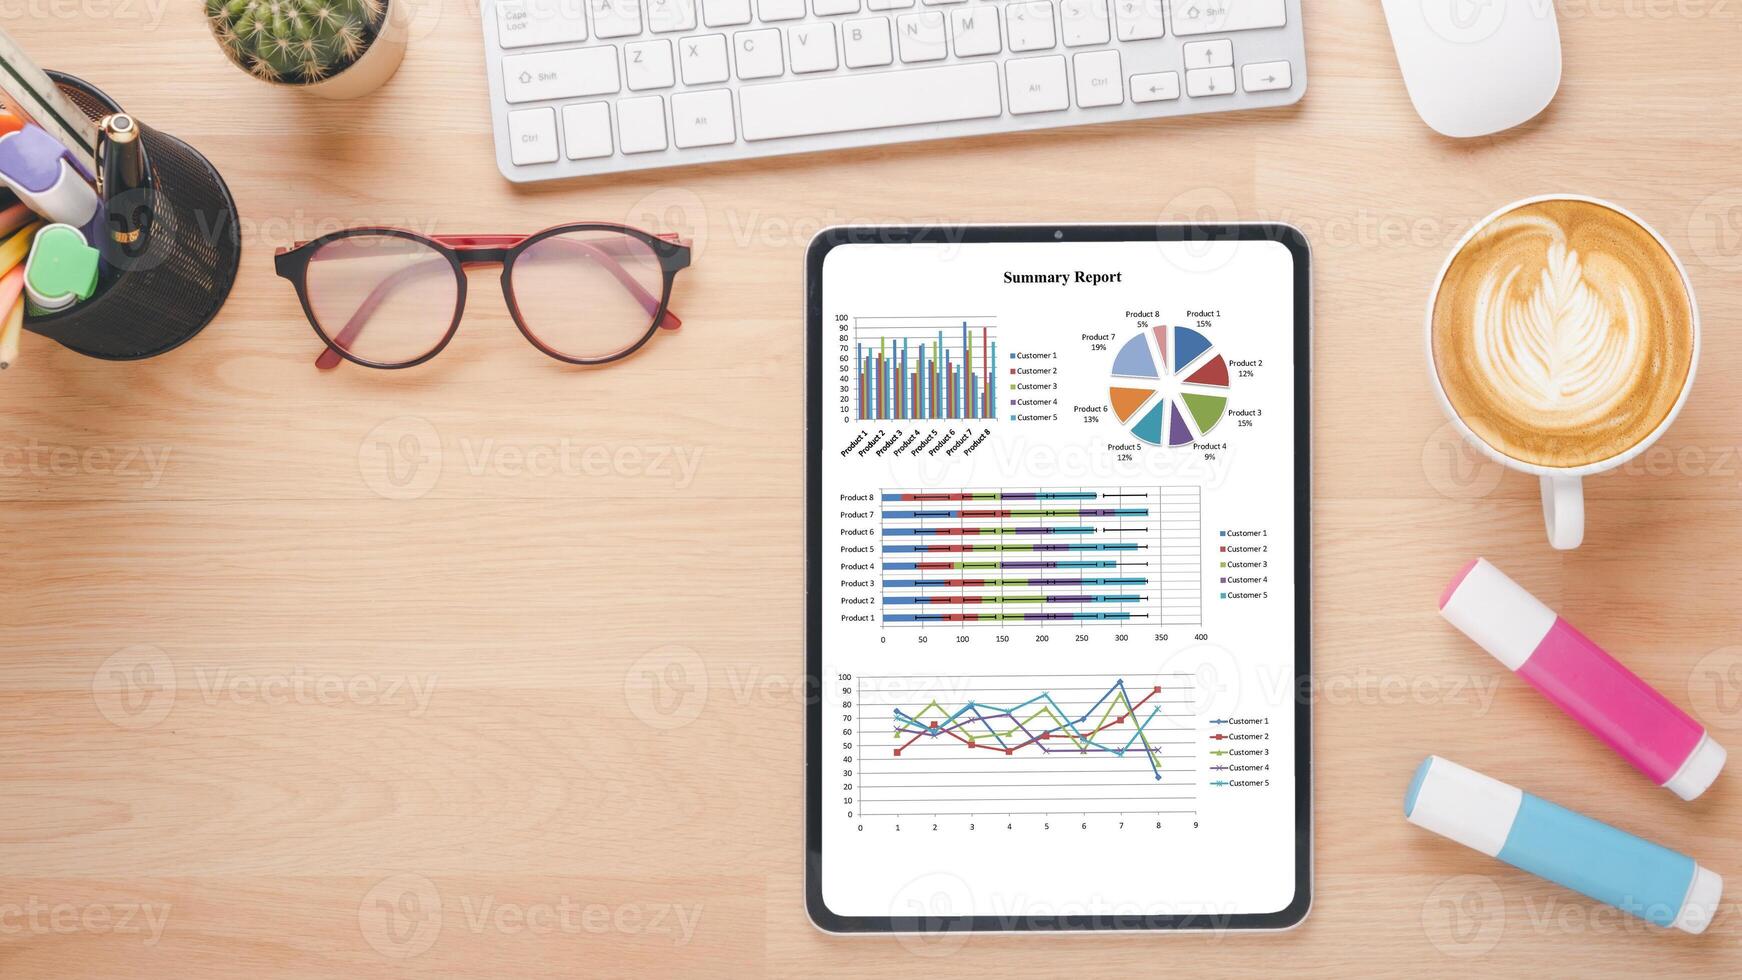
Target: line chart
(1026, 744)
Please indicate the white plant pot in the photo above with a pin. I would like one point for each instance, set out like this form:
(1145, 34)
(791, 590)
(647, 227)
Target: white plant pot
(377, 65)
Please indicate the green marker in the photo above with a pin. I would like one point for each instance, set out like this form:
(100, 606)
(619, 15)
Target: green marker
(61, 270)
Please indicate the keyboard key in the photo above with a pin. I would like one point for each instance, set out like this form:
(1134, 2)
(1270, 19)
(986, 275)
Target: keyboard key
(532, 136)
(725, 13)
(559, 74)
(975, 30)
(942, 3)
(1037, 84)
(1029, 26)
(827, 8)
(1266, 76)
(615, 18)
(758, 53)
(1209, 81)
(1226, 16)
(666, 16)
(587, 130)
(1139, 20)
(1099, 80)
(867, 42)
(888, 4)
(1157, 87)
(703, 59)
(1210, 54)
(840, 103)
(921, 36)
(780, 9)
(702, 118)
(811, 48)
(1083, 22)
(520, 23)
(647, 64)
(641, 124)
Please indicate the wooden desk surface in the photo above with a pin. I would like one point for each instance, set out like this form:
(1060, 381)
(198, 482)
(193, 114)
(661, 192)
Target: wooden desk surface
(270, 701)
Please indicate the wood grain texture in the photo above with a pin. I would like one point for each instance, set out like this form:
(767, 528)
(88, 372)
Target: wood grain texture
(262, 695)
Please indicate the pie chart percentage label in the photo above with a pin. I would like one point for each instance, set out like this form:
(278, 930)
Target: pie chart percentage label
(1169, 386)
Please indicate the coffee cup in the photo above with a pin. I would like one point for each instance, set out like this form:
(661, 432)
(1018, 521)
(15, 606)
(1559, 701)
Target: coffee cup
(1562, 341)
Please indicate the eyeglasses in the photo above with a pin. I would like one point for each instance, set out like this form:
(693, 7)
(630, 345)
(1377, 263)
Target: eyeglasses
(387, 298)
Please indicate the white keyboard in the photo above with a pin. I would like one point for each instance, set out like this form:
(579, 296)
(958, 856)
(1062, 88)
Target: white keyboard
(583, 87)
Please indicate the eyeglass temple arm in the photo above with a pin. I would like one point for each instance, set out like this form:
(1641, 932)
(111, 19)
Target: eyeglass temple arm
(330, 357)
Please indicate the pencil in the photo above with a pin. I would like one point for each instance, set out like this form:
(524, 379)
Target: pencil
(14, 250)
(9, 123)
(11, 300)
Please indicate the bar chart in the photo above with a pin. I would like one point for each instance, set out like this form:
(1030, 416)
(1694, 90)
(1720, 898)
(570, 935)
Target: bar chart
(917, 368)
(1088, 555)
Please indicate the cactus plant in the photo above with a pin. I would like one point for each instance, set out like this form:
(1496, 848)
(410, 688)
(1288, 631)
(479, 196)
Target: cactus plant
(295, 41)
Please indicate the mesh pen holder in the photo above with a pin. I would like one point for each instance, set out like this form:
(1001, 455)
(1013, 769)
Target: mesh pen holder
(155, 301)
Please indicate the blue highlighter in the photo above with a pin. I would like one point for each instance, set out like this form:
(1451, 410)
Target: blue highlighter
(1589, 856)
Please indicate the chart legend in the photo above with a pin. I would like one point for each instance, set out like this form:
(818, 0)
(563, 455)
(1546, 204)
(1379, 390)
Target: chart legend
(1026, 744)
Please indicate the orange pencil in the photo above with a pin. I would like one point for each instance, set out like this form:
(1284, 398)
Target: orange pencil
(12, 328)
(9, 123)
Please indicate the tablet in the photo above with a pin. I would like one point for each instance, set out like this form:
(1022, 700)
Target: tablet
(1057, 599)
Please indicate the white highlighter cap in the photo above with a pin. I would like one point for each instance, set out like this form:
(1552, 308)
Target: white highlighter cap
(1699, 770)
(1475, 810)
(1701, 905)
(1497, 613)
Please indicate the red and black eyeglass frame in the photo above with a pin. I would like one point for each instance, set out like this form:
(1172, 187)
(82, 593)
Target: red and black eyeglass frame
(470, 251)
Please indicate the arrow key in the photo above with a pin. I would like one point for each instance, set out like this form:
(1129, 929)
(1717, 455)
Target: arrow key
(1266, 76)
(1201, 82)
(1156, 87)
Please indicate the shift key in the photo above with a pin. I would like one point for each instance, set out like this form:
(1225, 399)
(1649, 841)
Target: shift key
(560, 74)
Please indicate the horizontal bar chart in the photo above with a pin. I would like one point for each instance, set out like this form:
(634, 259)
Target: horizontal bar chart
(1075, 555)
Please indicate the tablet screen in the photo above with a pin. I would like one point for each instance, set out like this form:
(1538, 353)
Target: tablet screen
(1057, 490)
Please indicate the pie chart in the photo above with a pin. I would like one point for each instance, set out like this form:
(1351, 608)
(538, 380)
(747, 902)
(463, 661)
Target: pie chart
(1170, 386)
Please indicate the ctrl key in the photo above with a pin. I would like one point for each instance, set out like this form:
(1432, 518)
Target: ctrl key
(532, 136)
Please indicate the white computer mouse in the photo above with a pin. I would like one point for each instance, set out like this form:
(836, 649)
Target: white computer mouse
(1475, 67)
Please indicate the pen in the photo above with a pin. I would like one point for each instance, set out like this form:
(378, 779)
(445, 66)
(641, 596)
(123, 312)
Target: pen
(120, 182)
(12, 301)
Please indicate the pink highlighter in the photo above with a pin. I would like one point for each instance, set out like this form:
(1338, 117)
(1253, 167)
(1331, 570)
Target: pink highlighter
(1658, 738)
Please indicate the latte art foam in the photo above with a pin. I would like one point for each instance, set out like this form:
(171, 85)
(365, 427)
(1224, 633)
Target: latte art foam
(1562, 333)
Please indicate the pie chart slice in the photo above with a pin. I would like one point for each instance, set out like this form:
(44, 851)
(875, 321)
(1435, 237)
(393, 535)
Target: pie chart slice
(1126, 401)
(1215, 374)
(1149, 429)
(1188, 346)
(1206, 409)
(1135, 361)
(1180, 435)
